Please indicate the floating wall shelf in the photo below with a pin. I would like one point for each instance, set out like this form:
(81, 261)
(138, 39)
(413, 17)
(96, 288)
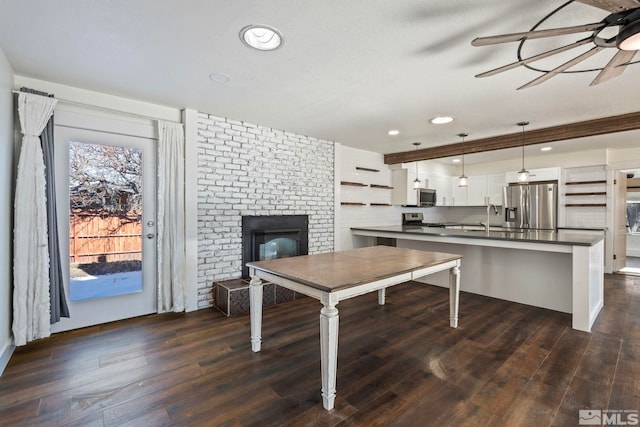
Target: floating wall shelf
(352, 204)
(583, 205)
(595, 193)
(353, 184)
(584, 182)
(386, 187)
(360, 168)
(380, 204)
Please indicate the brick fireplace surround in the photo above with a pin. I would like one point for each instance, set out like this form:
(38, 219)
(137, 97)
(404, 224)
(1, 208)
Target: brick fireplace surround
(247, 169)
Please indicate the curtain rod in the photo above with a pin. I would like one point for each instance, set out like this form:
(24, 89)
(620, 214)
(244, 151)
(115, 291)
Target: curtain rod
(107, 109)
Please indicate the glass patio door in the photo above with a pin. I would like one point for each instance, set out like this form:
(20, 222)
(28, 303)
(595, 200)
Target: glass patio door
(105, 182)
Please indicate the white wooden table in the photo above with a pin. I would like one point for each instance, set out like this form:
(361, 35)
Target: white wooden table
(336, 276)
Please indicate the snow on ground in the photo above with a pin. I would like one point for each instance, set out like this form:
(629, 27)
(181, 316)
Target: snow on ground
(88, 287)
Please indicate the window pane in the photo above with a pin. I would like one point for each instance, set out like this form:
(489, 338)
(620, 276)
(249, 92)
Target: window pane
(105, 202)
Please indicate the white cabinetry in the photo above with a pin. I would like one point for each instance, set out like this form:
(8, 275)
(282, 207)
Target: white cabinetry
(442, 185)
(402, 183)
(458, 194)
(482, 189)
(495, 184)
(477, 191)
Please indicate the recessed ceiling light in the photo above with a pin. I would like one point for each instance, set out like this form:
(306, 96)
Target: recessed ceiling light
(441, 120)
(261, 37)
(546, 149)
(394, 132)
(456, 160)
(219, 77)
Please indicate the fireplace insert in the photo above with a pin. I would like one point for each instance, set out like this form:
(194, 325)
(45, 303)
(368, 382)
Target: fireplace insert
(273, 236)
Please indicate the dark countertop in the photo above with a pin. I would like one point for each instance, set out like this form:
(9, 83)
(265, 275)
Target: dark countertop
(561, 237)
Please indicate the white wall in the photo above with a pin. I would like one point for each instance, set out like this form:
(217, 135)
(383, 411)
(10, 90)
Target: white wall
(6, 205)
(347, 159)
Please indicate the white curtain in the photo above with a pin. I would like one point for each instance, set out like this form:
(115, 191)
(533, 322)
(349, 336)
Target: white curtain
(31, 310)
(171, 232)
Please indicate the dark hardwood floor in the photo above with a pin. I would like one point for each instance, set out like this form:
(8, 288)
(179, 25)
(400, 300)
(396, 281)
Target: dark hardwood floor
(399, 365)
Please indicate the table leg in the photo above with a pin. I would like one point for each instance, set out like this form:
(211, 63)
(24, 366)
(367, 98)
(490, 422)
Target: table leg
(454, 293)
(328, 353)
(381, 296)
(255, 305)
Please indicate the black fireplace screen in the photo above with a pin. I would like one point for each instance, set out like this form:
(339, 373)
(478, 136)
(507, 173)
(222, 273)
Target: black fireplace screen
(270, 237)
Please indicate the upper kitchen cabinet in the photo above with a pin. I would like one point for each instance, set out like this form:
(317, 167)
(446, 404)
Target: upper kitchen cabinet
(482, 190)
(495, 183)
(403, 192)
(442, 185)
(475, 194)
(458, 194)
(477, 191)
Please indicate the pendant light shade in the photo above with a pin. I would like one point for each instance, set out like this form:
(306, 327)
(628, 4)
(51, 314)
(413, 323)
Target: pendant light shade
(463, 180)
(416, 182)
(523, 174)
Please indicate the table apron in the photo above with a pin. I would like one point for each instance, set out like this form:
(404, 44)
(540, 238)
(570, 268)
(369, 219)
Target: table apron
(434, 269)
(289, 284)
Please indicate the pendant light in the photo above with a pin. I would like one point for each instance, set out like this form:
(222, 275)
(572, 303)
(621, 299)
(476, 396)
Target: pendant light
(416, 182)
(523, 174)
(463, 181)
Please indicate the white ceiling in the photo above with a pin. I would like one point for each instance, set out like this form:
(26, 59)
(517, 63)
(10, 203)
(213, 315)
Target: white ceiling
(348, 71)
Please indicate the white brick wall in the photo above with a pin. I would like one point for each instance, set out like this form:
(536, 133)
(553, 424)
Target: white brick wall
(247, 169)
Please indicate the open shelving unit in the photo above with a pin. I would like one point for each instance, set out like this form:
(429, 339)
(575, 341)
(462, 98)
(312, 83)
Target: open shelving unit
(585, 193)
(362, 185)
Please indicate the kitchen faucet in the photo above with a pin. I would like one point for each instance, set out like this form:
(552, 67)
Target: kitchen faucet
(495, 212)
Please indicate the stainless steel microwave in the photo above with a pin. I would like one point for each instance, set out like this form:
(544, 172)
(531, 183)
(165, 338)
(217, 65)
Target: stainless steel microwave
(426, 197)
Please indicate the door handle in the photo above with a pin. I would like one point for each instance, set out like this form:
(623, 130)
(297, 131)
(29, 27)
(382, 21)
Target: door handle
(151, 235)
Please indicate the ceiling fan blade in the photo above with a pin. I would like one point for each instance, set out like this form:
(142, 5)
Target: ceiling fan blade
(612, 6)
(513, 37)
(546, 76)
(534, 58)
(615, 67)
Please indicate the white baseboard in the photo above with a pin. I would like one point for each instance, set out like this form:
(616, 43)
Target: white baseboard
(7, 352)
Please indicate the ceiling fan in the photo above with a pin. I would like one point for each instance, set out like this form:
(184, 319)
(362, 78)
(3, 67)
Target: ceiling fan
(624, 14)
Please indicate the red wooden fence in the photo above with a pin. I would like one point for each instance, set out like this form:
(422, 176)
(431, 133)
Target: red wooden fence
(104, 238)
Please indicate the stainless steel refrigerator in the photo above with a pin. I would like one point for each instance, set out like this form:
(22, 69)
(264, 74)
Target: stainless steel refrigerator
(531, 206)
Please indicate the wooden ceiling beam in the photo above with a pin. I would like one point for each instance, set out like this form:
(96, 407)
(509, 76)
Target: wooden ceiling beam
(621, 123)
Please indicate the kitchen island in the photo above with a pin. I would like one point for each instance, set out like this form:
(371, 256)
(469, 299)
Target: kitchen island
(558, 270)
